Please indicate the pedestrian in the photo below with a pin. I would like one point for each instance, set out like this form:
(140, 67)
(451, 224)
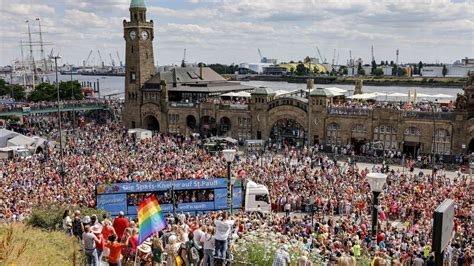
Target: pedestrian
(282, 257)
(90, 244)
(67, 222)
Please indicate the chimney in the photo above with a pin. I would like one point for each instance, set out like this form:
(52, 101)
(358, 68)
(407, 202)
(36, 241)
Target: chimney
(200, 71)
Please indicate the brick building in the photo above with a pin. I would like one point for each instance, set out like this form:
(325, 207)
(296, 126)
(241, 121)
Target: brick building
(186, 100)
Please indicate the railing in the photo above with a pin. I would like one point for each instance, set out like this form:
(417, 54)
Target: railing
(181, 104)
(348, 111)
(40, 107)
(429, 115)
(234, 106)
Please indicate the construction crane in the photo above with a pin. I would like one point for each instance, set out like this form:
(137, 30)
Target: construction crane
(260, 54)
(183, 62)
(100, 57)
(320, 56)
(118, 56)
(334, 57)
(86, 63)
(351, 63)
(111, 60)
(337, 60)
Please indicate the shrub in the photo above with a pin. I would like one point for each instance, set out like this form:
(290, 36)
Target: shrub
(51, 217)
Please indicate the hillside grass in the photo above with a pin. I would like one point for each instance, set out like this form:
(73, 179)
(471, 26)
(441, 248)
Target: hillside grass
(23, 245)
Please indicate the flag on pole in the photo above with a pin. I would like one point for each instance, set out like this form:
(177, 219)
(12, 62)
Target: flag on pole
(150, 219)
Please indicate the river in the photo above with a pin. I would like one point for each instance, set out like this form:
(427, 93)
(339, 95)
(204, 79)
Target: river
(114, 85)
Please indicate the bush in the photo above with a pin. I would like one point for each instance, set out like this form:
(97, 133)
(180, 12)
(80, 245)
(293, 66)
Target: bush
(51, 217)
(23, 245)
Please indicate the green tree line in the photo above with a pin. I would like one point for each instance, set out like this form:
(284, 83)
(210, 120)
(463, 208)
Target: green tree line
(69, 90)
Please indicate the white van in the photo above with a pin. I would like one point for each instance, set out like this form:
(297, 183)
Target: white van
(11, 152)
(257, 198)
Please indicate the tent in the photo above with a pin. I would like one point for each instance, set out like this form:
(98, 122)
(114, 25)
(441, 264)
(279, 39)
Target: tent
(440, 95)
(21, 140)
(363, 96)
(336, 90)
(397, 94)
(5, 135)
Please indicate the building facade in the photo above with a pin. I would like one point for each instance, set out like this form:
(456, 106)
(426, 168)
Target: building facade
(186, 100)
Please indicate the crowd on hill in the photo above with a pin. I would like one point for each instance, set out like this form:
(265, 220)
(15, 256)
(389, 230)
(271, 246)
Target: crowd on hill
(105, 153)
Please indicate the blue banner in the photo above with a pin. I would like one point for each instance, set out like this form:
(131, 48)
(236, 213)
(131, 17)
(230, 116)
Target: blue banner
(182, 207)
(161, 185)
(237, 198)
(112, 203)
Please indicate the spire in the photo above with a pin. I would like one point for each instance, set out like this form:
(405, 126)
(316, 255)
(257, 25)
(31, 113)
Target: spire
(137, 4)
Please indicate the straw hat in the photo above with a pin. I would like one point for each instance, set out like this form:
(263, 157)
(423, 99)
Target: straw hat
(144, 248)
(96, 229)
(147, 242)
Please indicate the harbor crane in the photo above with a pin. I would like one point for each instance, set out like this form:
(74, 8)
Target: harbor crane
(323, 61)
(337, 60)
(86, 63)
(100, 57)
(260, 54)
(334, 57)
(111, 60)
(118, 56)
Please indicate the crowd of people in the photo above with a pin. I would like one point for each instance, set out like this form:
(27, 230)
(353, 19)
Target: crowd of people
(421, 106)
(97, 153)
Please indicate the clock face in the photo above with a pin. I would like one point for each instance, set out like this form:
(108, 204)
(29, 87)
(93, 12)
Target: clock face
(133, 35)
(145, 35)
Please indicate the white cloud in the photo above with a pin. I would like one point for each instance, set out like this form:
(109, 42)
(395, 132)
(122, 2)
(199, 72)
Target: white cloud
(231, 30)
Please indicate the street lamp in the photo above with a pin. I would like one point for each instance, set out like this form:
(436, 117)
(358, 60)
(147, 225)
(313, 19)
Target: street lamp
(376, 182)
(229, 155)
(61, 168)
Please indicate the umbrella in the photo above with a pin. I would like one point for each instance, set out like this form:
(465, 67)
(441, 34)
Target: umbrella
(397, 94)
(440, 95)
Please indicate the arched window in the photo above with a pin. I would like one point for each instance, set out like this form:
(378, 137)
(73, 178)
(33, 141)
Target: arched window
(442, 142)
(333, 134)
(385, 137)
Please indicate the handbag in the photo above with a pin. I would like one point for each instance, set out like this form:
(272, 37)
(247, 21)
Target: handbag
(179, 261)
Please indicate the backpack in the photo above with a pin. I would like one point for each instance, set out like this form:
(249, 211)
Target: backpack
(194, 254)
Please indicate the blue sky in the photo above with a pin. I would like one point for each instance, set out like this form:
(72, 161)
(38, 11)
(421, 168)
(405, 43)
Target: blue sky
(230, 31)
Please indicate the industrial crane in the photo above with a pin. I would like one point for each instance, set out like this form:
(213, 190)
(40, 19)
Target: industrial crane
(260, 53)
(320, 56)
(334, 57)
(118, 56)
(86, 63)
(100, 57)
(112, 60)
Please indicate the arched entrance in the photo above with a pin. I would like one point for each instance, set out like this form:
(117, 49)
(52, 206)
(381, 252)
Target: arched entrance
(151, 122)
(224, 125)
(191, 122)
(288, 132)
(207, 125)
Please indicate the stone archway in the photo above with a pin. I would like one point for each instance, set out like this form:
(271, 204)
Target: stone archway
(288, 132)
(150, 122)
(191, 122)
(225, 125)
(207, 126)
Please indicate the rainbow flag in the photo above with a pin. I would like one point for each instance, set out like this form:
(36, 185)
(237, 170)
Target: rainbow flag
(150, 219)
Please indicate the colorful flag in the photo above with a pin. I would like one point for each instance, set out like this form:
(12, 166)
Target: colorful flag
(150, 219)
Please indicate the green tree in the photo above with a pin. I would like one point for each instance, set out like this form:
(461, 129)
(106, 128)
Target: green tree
(43, 92)
(15, 91)
(300, 69)
(361, 72)
(292, 70)
(70, 90)
(378, 72)
(316, 70)
(445, 70)
(382, 63)
(420, 66)
(402, 71)
(374, 66)
(415, 70)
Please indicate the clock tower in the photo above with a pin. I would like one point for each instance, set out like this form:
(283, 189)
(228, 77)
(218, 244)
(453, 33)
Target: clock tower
(139, 62)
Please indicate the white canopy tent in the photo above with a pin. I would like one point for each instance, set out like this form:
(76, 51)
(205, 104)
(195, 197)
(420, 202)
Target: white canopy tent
(242, 94)
(363, 96)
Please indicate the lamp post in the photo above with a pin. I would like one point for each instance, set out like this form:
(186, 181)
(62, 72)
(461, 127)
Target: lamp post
(433, 151)
(229, 155)
(61, 169)
(376, 182)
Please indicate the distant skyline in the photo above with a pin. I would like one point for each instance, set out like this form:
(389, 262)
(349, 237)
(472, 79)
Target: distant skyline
(231, 31)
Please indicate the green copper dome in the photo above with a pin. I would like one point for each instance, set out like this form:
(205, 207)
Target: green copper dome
(137, 4)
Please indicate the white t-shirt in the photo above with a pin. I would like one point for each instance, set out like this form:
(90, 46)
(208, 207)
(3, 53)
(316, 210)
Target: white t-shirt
(198, 233)
(223, 229)
(209, 241)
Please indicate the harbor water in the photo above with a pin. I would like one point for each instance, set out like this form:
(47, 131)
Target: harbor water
(110, 85)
